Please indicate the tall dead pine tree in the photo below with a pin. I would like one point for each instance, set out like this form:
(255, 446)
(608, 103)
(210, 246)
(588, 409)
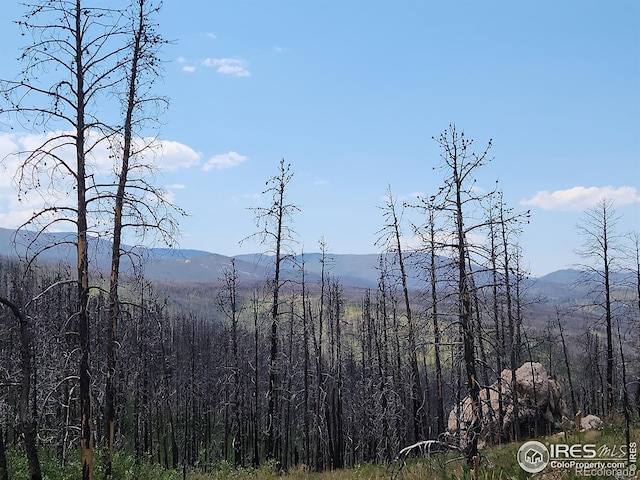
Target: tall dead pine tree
(601, 250)
(276, 232)
(391, 240)
(69, 64)
(136, 203)
(458, 199)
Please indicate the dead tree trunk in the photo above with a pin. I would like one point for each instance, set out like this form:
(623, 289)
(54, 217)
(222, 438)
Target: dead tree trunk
(28, 422)
(4, 471)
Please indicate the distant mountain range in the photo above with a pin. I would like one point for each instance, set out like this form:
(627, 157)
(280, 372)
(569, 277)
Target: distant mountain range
(182, 265)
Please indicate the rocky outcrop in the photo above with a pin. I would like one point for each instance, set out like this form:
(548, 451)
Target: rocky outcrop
(590, 422)
(536, 407)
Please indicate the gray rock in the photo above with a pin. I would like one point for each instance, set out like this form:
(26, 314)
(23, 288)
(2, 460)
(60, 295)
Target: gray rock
(539, 402)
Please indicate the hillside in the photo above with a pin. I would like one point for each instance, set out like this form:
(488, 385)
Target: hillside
(179, 273)
(185, 265)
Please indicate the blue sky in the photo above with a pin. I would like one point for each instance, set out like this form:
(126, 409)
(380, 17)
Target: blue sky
(350, 93)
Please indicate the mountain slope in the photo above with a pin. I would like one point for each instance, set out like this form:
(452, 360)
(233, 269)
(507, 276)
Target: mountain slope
(175, 265)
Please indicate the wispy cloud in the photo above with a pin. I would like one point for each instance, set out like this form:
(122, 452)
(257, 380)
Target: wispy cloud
(234, 67)
(186, 65)
(209, 35)
(223, 161)
(581, 198)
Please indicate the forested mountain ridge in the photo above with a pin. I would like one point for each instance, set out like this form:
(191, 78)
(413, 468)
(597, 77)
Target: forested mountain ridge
(188, 265)
(190, 280)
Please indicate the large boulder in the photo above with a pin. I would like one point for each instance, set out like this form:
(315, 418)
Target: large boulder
(536, 408)
(590, 422)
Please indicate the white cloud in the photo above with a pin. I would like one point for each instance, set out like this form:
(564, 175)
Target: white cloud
(43, 171)
(209, 35)
(176, 186)
(279, 50)
(7, 143)
(582, 198)
(169, 196)
(411, 243)
(186, 66)
(9, 163)
(228, 66)
(55, 187)
(167, 154)
(175, 155)
(223, 161)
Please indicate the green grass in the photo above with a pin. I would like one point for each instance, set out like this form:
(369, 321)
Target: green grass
(498, 463)
(124, 468)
